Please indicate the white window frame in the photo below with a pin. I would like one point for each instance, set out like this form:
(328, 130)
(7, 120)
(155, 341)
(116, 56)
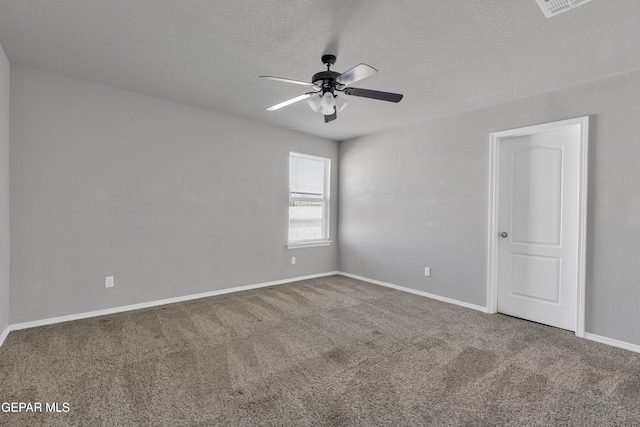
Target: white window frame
(326, 200)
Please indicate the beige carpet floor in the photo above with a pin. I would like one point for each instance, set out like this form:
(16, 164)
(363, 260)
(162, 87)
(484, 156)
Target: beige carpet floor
(324, 352)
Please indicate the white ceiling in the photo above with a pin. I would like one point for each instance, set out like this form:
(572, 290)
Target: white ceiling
(445, 56)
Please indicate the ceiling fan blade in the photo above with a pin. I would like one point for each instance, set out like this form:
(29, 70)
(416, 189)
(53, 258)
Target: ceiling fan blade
(373, 94)
(282, 79)
(359, 72)
(289, 101)
(331, 117)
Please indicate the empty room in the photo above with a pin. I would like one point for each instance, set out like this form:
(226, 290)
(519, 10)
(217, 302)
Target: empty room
(319, 213)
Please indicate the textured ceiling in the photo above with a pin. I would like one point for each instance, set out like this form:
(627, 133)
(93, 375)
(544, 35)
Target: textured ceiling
(444, 56)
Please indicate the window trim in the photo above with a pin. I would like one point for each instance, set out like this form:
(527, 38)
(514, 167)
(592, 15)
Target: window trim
(325, 240)
(299, 244)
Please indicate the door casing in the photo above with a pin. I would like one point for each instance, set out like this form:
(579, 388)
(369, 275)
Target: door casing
(492, 262)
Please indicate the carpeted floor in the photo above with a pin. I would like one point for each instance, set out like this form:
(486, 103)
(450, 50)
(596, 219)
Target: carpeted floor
(325, 352)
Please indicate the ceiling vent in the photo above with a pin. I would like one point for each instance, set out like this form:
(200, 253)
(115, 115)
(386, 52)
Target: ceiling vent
(554, 7)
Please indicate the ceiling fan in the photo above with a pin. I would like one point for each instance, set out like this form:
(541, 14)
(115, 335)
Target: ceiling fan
(325, 84)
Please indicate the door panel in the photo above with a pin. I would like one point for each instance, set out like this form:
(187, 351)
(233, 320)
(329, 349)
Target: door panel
(535, 277)
(537, 195)
(538, 210)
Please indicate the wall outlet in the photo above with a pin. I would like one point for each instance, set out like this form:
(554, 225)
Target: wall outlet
(108, 282)
(427, 271)
(293, 260)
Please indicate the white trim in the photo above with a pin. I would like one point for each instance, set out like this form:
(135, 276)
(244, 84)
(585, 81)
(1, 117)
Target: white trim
(492, 252)
(582, 224)
(308, 156)
(612, 342)
(586, 335)
(114, 310)
(309, 244)
(4, 335)
(413, 291)
(326, 200)
(54, 320)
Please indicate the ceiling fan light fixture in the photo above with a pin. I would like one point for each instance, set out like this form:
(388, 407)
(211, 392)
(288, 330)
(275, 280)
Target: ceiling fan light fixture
(327, 111)
(328, 103)
(340, 103)
(314, 102)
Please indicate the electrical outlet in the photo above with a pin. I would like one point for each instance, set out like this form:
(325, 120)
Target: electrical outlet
(293, 260)
(427, 271)
(108, 282)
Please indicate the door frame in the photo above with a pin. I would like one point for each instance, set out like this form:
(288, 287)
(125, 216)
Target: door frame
(492, 261)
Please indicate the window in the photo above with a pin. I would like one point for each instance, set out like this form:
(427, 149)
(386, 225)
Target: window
(308, 200)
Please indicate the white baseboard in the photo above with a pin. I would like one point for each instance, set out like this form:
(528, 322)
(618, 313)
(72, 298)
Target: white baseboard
(51, 321)
(85, 315)
(612, 342)
(4, 335)
(587, 335)
(413, 291)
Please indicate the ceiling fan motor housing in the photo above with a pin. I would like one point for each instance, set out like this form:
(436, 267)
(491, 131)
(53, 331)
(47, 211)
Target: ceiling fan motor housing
(326, 80)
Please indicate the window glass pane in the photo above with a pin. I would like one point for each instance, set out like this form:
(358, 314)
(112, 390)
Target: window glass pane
(306, 220)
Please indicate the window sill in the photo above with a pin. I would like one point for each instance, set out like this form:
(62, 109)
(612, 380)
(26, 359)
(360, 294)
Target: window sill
(308, 244)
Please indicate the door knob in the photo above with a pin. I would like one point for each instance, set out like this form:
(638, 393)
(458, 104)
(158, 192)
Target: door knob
(504, 234)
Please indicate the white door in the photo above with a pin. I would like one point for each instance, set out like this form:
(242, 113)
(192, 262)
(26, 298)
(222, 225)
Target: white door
(538, 225)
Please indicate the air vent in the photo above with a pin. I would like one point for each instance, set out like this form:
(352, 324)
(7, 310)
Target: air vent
(554, 7)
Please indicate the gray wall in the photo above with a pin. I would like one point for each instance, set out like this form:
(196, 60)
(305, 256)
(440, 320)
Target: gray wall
(418, 196)
(4, 191)
(171, 200)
